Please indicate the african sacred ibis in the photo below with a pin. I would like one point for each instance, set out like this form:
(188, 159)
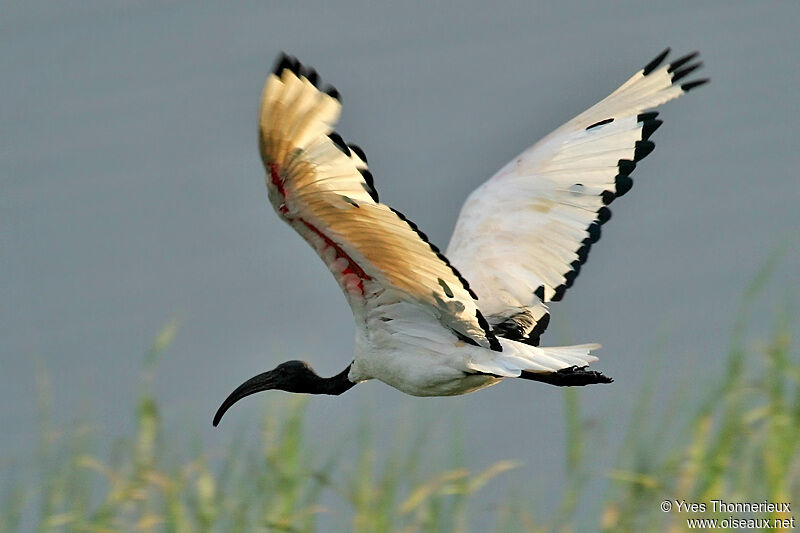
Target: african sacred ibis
(432, 324)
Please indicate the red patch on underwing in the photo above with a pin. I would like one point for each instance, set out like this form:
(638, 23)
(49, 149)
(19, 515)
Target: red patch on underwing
(352, 267)
(275, 177)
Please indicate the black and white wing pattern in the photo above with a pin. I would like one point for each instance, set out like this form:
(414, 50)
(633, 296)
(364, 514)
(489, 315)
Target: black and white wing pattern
(523, 235)
(323, 188)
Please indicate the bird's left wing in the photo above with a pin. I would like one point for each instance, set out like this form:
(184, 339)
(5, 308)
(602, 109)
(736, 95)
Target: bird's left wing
(522, 236)
(323, 189)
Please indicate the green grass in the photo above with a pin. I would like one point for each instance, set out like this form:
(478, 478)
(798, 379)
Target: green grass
(739, 443)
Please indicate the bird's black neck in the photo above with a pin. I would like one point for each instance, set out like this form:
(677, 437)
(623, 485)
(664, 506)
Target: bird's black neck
(311, 383)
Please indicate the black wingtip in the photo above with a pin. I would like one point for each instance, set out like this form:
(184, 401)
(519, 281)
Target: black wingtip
(558, 295)
(622, 185)
(569, 277)
(594, 232)
(643, 149)
(694, 84)
(649, 127)
(678, 63)
(369, 183)
(626, 166)
(583, 251)
(651, 66)
(284, 62)
(331, 91)
(339, 142)
(311, 75)
(649, 115)
(539, 292)
(359, 152)
(291, 63)
(682, 73)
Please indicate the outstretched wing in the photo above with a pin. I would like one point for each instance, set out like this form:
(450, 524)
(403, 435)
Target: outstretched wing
(323, 189)
(523, 235)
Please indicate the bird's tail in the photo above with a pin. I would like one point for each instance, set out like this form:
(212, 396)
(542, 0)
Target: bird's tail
(557, 365)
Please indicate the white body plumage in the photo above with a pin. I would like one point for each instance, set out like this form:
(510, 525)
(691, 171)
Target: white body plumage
(420, 357)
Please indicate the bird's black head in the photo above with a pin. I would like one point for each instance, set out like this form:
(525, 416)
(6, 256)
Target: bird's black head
(291, 376)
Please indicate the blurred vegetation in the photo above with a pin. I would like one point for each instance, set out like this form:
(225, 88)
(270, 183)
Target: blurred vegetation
(740, 444)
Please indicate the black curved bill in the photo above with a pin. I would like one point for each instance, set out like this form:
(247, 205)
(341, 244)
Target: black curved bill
(253, 385)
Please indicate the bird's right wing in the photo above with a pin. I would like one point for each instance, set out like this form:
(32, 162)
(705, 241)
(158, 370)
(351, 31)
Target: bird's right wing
(323, 189)
(523, 235)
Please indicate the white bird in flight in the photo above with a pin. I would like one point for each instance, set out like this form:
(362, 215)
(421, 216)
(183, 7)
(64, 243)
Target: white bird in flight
(434, 324)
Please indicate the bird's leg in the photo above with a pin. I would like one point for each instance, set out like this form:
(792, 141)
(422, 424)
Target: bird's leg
(568, 377)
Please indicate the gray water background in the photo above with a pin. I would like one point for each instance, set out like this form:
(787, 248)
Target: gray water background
(131, 191)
